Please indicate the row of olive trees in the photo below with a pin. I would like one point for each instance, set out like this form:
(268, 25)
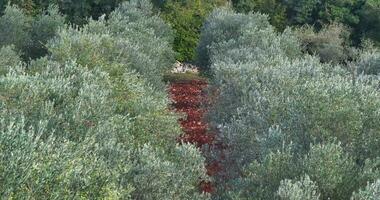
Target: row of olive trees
(90, 120)
(294, 127)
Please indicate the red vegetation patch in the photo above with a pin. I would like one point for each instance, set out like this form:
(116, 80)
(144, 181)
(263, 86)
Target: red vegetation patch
(192, 114)
(207, 187)
(214, 168)
(189, 98)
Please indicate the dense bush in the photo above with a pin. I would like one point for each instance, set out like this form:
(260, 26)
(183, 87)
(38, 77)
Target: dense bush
(14, 28)
(330, 44)
(79, 11)
(28, 34)
(369, 61)
(284, 116)
(76, 106)
(372, 191)
(222, 26)
(263, 178)
(8, 58)
(91, 119)
(274, 8)
(299, 190)
(43, 28)
(123, 41)
(185, 17)
(332, 170)
(36, 167)
(95, 168)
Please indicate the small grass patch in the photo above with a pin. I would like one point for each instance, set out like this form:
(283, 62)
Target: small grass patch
(182, 77)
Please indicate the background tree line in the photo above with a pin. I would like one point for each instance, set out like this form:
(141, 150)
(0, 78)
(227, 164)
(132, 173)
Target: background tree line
(361, 18)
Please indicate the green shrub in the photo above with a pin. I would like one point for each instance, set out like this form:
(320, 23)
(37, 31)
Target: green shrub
(157, 178)
(223, 26)
(231, 37)
(369, 61)
(29, 34)
(125, 40)
(329, 44)
(332, 170)
(301, 100)
(33, 167)
(262, 179)
(63, 95)
(8, 57)
(14, 28)
(304, 189)
(43, 28)
(275, 9)
(371, 192)
(369, 25)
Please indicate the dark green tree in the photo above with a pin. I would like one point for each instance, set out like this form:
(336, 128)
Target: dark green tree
(300, 12)
(369, 26)
(187, 17)
(274, 8)
(343, 11)
(296, 12)
(79, 10)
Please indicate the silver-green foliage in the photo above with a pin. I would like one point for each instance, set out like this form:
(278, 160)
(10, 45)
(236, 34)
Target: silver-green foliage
(369, 61)
(8, 58)
(63, 95)
(304, 189)
(14, 28)
(371, 192)
(34, 167)
(332, 170)
(43, 28)
(29, 34)
(132, 37)
(305, 105)
(222, 26)
(240, 37)
(87, 121)
(135, 58)
(263, 178)
(102, 166)
(273, 103)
